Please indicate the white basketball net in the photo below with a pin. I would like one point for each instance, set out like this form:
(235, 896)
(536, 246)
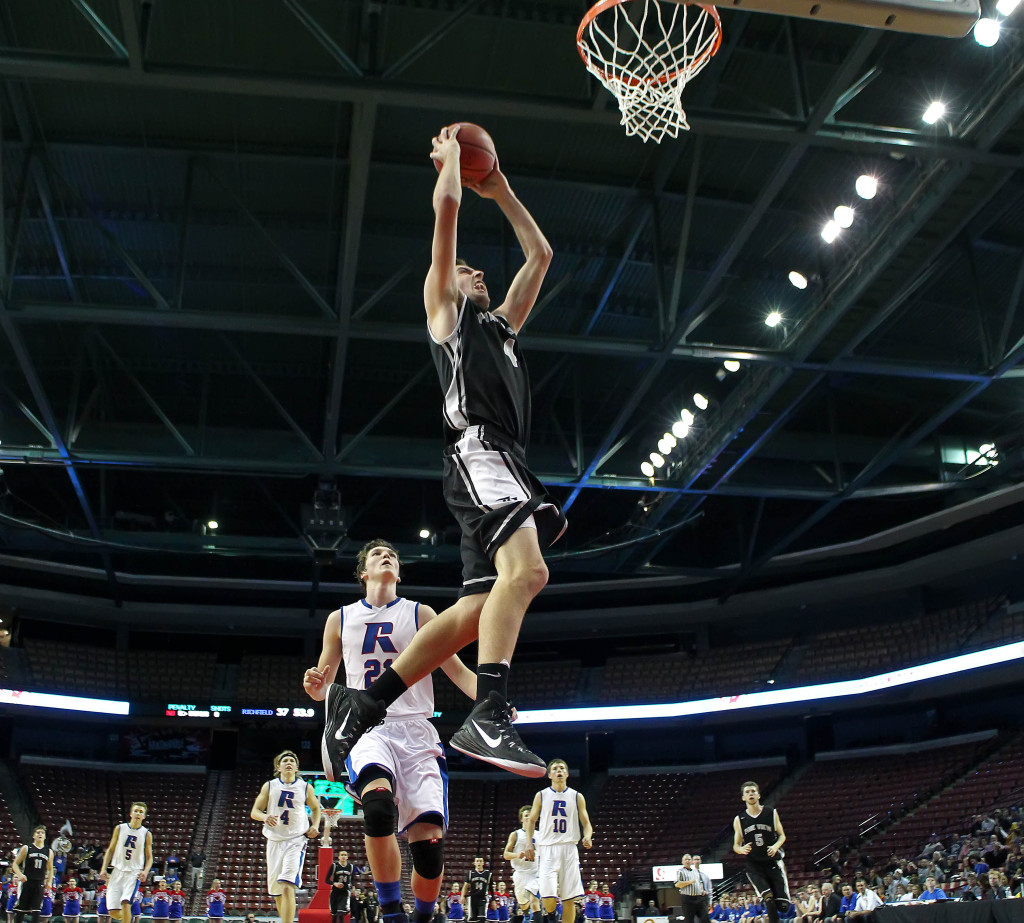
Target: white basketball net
(645, 52)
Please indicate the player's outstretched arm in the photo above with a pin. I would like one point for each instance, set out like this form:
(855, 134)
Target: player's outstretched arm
(525, 287)
(453, 667)
(529, 825)
(588, 827)
(260, 805)
(440, 293)
(313, 803)
(777, 845)
(316, 679)
(108, 856)
(738, 846)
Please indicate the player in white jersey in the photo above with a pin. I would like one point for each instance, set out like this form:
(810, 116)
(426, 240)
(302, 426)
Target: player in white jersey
(281, 807)
(131, 854)
(525, 885)
(397, 769)
(559, 817)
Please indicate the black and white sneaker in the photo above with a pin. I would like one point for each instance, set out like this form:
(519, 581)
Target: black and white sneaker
(488, 735)
(348, 714)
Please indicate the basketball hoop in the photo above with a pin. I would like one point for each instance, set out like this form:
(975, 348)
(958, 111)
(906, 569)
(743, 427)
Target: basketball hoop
(645, 52)
(330, 816)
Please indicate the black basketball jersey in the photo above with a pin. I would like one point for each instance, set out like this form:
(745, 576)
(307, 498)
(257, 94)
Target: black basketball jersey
(36, 860)
(483, 376)
(339, 874)
(760, 833)
(479, 883)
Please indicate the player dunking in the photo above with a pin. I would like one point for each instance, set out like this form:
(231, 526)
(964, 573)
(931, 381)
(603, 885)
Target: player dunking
(559, 815)
(281, 806)
(398, 770)
(33, 867)
(758, 835)
(130, 852)
(504, 513)
(525, 885)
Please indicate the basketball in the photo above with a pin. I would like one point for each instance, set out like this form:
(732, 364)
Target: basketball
(478, 156)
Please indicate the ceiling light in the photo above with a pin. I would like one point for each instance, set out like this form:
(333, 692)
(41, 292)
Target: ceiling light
(424, 533)
(700, 402)
(986, 448)
(1006, 7)
(866, 186)
(843, 216)
(934, 112)
(664, 447)
(798, 279)
(830, 231)
(669, 440)
(213, 524)
(680, 429)
(986, 32)
(773, 319)
(731, 365)
(647, 469)
(657, 460)
(686, 416)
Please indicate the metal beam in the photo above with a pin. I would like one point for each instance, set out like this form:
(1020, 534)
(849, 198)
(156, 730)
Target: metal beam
(382, 412)
(840, 80)
(714, 123)
(430, 40)
(321, 35)
(101, 28)
(364, 118)
(131, 27)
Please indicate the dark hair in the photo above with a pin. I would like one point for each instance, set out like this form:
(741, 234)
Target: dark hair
(459, 261)
(38, 827)
(750, 784)
(364, 553)
(558, 759)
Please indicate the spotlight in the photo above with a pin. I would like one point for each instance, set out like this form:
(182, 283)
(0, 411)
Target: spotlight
(664, 447)
(700, 402)
(424, 533)
(680, 429)
(657, 460)
(934, 112)
(669, 440)
(686, 416)
(866, 186)
(731, 365)
(830, 231)
(773, 319)
(843, 216)
(212, 524)
(986, 32)
(986, 448)
(647, 469)
(798, 279)
(1006, 7)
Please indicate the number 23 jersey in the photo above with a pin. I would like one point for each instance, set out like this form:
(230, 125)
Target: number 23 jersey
(559, 818)
(371, 638)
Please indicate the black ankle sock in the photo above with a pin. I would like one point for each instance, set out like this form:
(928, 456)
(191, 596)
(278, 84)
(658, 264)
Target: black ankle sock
(491, 677)
(387, 688)
(391, 908)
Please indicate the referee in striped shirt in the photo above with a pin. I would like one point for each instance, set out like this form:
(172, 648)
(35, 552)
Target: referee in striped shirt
(690, 884)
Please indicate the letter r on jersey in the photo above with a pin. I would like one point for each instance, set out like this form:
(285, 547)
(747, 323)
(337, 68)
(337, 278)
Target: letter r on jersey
(130, 841)
(287, 800)
(558, 809)
(377, 634)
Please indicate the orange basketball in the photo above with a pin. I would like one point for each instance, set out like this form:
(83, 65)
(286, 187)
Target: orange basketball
(478, 156)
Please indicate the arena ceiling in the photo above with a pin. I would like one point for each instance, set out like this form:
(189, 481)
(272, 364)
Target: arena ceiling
(217, 220)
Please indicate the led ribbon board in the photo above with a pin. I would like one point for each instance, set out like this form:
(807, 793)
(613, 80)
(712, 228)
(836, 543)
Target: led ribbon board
(851, 687)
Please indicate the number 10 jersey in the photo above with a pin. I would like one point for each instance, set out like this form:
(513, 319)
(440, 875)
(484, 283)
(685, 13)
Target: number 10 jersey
(559, 818)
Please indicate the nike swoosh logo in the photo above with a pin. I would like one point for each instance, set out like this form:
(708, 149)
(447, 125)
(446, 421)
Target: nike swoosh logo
(340, 732)
(492, 675)
(491, 742)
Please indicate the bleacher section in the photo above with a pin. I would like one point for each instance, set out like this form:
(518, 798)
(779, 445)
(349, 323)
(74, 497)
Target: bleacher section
(858, 792)
(852, 652)
(95, 801)
(141, 675)
(272, 680)
(9, 838)
(997, 782)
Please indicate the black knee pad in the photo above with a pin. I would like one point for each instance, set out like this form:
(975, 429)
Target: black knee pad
(428, 857)
(380, 814)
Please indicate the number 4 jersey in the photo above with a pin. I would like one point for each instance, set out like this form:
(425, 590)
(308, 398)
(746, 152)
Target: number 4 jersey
(371, 638)
(287, 802)
(559, 818)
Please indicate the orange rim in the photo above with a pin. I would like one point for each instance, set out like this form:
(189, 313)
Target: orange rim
(603, 5)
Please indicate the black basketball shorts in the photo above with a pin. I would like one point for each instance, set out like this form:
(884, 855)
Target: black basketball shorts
(491, 493)
(770, 878)
(30, 898)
